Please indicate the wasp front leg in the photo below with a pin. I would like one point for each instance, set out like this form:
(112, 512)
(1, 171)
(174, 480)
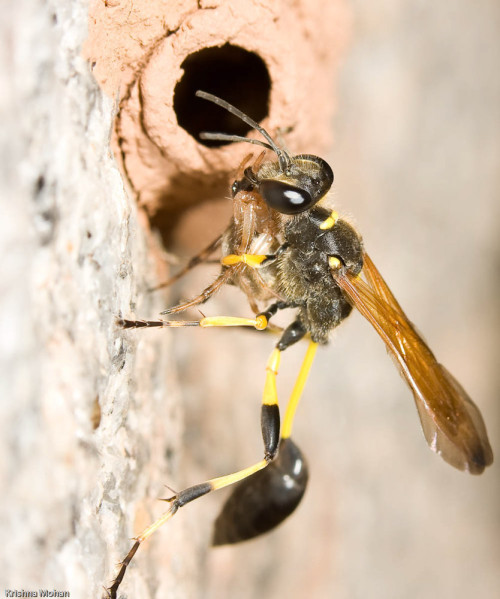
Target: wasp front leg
(200, 258)
(233, 265)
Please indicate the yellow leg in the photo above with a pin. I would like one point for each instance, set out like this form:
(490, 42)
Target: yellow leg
(286, 430)
(253, 260)
(270, 414)
(270, 395)
(230, 479)
(259, 322)
(196, 491)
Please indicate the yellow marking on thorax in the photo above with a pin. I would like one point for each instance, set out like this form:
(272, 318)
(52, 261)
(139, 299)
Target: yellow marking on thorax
(329, 223)
(334, 263)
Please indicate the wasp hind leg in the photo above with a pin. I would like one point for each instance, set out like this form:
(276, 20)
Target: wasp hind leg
(176, 502)
(262, 501)
(270, 424)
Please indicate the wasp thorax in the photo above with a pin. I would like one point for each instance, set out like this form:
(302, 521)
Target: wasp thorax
(307, 179)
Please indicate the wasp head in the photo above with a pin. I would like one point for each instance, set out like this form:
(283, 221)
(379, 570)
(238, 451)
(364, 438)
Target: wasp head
(298, 188)
(291, 185)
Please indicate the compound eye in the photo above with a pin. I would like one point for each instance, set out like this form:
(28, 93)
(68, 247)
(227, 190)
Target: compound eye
(285, 198)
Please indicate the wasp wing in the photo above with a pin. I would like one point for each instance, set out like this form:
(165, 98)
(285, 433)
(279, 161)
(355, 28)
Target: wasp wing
(452, 424)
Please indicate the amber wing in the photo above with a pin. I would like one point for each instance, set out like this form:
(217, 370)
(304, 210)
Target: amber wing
(452, 424)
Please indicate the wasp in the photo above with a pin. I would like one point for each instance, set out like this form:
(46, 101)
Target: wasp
(286, 247)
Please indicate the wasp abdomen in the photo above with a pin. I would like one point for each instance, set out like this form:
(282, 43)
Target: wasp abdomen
(262, 501)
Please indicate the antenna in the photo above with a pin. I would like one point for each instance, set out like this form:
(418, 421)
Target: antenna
(283, 157)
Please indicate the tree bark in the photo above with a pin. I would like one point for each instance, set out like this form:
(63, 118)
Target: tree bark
(84, 425)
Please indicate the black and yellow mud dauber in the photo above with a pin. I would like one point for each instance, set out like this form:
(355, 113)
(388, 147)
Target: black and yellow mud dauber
(285, 247)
